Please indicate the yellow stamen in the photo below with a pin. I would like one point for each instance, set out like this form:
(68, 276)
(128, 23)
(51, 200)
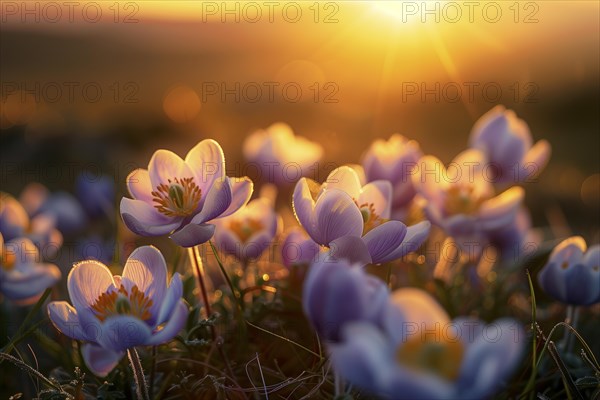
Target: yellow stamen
(179, 198)
(246, 228)
(434, 353)
(120, 302)
(371, 219)
(462, 200)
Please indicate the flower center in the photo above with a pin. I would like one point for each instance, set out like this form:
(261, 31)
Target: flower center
(370, 217)
(120, 302)
(244, 229)
(433, 353)
(461, 200)
(8, 260)
(177, 199)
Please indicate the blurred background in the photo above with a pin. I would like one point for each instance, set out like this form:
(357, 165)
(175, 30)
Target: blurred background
(99, 86)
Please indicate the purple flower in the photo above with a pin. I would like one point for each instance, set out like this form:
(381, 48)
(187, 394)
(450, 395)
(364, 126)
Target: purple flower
(96, 194)
(23, 278)
(393, 160)
(341, 208)
(298, 249)
(461, 201)
(281, 156)
(181, 197)
(518, 239)
(572, 274)
(114, 313)
(66, 210)
(16, 223)
(337, 292)
(416, 352)
(248, 232)
(507, 143)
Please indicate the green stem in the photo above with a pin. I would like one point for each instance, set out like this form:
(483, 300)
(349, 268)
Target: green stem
(235, 294)
(196, 259)
(138, 374)
(198, 267)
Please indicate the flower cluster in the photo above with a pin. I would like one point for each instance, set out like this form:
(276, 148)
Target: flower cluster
(359, 252)
(403, 344)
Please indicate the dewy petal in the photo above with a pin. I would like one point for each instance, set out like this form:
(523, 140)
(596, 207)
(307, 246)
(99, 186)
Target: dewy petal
(147, 269)
(192, 235)
(344, 178)
(384, 240)
(207, 161)
(64, 317)
(100, 360)
(87, 281)
(165, 165)
(121, 332)
(173, 295)
(143, 219)
(241, 191)
(378, 193)
(351, 248)
(217, 201)
(139, 185)
(175, 323)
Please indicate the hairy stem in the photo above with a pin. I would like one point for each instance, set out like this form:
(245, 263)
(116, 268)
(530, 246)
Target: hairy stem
(138, 374)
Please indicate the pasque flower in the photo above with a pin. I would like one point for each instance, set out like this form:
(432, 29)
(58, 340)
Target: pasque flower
(16, 223)
(341, 207)
(96, 194)
(507, 143)
(393, 160)
(461, 201)
(572, 273)
(114, 313)
(23, 277)
(281, 156)
(337, 291)
(518, 239)
(181, 197)
(417, 352)
(248, 232)
(67, 211)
